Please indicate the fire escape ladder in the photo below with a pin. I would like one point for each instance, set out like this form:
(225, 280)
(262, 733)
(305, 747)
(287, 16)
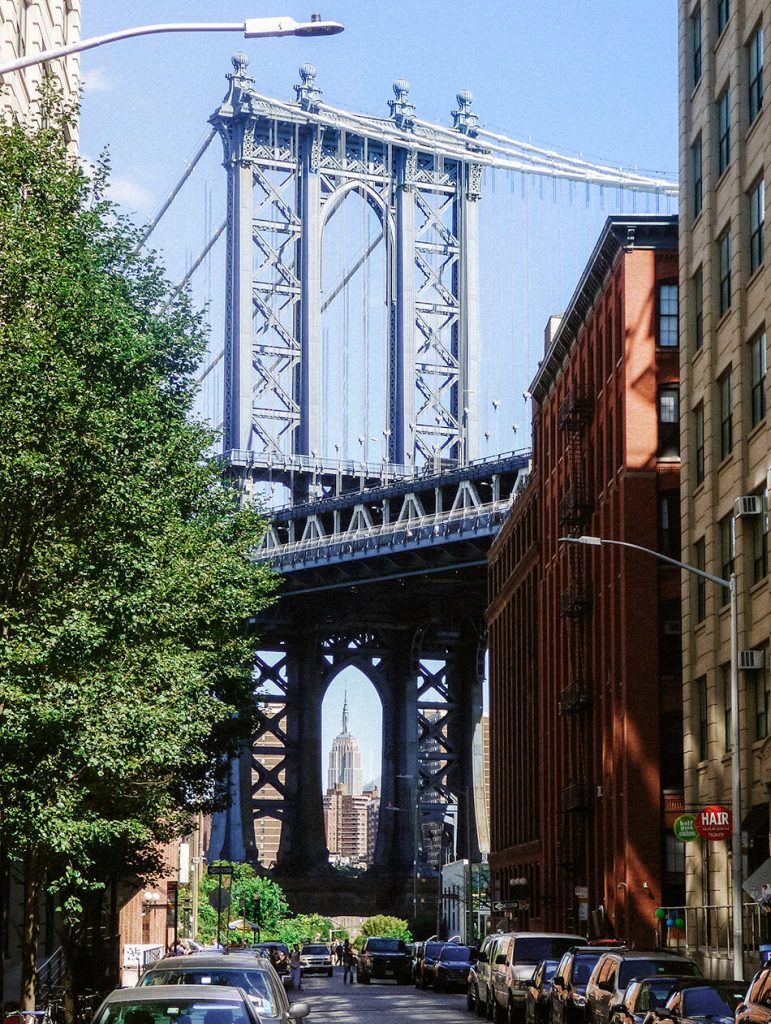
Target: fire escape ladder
(575, 508)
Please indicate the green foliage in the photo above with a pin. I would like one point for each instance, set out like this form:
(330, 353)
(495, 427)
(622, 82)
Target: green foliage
(244, 887)
(385, 925)
(304, 928)
(125, 569)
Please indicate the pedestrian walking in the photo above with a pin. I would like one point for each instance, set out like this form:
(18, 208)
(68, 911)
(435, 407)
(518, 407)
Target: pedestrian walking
(295, 970)
(339, 954)
(349, 961)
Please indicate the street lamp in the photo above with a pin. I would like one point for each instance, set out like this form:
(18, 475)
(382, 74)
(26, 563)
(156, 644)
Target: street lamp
(736, 789)
(252, 28)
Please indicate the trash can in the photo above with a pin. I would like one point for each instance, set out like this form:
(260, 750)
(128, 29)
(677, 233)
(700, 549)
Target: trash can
(765, 953)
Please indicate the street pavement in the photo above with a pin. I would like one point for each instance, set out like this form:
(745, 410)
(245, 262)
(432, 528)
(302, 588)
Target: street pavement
(382, 1002)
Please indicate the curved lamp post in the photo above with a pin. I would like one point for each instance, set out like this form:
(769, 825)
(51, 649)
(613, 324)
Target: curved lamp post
(736, 790)
(252, 28)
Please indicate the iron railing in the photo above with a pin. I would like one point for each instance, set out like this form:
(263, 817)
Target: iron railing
(708, 930)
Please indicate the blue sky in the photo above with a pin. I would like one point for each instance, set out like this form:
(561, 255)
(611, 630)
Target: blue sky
(590, 77)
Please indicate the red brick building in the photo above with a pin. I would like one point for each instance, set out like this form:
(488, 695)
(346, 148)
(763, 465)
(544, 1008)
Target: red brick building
(585, 684)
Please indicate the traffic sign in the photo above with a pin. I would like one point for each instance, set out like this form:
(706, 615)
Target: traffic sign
(685, 828)
(220, 899)
(714, 823)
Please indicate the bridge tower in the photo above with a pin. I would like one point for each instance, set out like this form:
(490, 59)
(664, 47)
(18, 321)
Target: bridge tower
(290, 168)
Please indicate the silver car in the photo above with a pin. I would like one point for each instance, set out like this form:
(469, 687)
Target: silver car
(253, 974)
(177, 1004)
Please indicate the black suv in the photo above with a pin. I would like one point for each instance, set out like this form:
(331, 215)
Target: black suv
(384, 958)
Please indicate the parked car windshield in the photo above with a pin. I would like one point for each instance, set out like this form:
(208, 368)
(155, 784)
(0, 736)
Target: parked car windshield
(255, 982)
(385, 945)
(455, 953)
(175, 1011)
(316, 950)
(532, 950)
(643, 968)
(702, 1001)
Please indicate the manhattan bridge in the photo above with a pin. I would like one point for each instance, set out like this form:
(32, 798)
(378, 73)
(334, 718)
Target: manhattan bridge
(365, 348)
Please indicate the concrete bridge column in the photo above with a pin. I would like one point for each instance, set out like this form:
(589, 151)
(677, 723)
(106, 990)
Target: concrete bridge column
(303, 845)
(395, 848)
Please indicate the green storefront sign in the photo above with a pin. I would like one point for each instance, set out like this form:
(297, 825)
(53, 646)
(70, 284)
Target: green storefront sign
(685, 828)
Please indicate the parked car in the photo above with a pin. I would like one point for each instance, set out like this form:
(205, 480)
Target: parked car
(479, 992)
(316, 959)
(172, 1004)
(537, 1003)
(516, 957)
(451, 967)
(568, 988)
(755, 1008)
(245, 971)
(644, 994)
(381, 958)
(713, 1001)
(616, 968)
(425, 965)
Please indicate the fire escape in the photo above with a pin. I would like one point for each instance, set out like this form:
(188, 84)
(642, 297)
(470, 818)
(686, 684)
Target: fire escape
(575, 508)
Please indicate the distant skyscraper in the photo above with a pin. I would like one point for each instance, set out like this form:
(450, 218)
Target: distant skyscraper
(345, 760)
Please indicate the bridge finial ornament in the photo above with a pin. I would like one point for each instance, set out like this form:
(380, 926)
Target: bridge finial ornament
(308, 93)
(402, 111)
(240, 62)
(464, 120)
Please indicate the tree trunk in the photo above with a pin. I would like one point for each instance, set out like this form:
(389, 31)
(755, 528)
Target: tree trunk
(70, 947)
(30, 928)
(4, 885)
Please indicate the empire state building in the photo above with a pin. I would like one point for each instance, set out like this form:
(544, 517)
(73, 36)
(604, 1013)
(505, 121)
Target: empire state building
(345, 760)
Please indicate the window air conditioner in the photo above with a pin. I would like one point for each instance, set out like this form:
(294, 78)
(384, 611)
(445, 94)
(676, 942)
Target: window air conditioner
(750, 660)
(748, 505)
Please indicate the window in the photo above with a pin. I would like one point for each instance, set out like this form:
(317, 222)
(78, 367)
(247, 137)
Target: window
(757, 219)
(723, 132)
(669, 423)
(696, 43)
(761, 700)
(758, 377)
(724, 246)
(725, 675)
(698, 431)
(760, 541)
(669, 523)
(725, 393)
(698, 176)
(698, 309)
(727, 549)
(699, 560)
(723, 14)
(702, 720)
(668, 315)
(756, 72)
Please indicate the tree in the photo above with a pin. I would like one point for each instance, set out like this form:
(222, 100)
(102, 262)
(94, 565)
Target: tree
(385, 925)
(125, 571)
(245, 886)
(304, 928)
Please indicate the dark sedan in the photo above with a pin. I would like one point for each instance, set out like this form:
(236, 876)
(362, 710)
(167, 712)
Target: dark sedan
(713, 1001)
(451, 967)
(645, 994)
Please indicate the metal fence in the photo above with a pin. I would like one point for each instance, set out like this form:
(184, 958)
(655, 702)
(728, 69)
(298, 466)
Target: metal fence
(708, 930)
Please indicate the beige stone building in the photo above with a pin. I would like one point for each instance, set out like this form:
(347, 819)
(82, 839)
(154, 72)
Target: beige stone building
(725, 292)
(31, 26)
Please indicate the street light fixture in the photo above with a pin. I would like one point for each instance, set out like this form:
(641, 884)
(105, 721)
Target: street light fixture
(252, 28)
(736, 789)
